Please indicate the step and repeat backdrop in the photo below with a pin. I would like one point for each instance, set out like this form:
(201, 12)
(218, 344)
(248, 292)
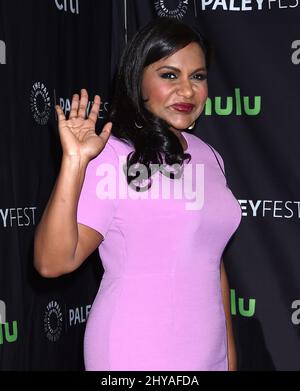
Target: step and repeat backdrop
(49, 50)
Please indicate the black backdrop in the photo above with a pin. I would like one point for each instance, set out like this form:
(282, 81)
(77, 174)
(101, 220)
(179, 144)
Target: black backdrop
(50, 49)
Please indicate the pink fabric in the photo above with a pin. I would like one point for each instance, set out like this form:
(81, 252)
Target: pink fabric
(159, 305)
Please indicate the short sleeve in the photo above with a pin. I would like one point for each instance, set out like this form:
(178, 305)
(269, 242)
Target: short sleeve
(219, 159)
(98, 198)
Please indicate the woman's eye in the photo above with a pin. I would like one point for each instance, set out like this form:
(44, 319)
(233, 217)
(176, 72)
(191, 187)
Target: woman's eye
(168, 76)
(200, 76)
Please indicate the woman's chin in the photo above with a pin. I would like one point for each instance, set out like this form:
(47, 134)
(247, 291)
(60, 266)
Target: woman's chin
(179, 127)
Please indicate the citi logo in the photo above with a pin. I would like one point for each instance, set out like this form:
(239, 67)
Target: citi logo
(296, 54)
(238, 306)
(235, 105)
(2, 52)
(68, 6)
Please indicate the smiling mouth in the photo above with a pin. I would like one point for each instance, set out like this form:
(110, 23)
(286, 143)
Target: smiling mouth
(183, 107)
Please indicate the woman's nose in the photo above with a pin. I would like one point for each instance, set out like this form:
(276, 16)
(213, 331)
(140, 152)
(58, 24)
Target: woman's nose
(185, 88)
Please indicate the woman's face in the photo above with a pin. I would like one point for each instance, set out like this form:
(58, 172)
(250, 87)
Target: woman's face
(176, 87)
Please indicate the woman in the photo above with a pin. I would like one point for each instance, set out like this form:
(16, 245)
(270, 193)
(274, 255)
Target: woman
(163, 302)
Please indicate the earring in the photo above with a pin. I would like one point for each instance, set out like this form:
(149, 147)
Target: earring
(191, 126)
(138, 126)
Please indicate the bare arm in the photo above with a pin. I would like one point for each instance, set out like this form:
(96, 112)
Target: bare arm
(232, 359)
(59, 247)
(60, 244)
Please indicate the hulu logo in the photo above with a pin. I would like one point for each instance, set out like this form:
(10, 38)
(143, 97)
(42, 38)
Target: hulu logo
(247, 312)
(234, 105)
(8, 332)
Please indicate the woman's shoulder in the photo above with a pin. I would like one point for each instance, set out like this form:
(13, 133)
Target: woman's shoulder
(196, 141)
(114, 150)
(118, 145)
(205, 149)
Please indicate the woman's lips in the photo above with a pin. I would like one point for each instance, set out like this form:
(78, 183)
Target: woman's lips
(183, 107)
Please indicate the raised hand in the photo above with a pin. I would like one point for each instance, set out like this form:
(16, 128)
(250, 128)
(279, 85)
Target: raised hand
(77, 133)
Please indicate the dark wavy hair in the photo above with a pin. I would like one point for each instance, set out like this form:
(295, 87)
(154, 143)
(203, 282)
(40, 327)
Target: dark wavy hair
(132, 122)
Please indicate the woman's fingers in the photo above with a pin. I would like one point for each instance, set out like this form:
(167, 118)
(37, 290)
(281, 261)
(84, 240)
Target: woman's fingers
(60, 114)
(79, 106)
(95, 109)
(83, 103)
(105, 133)
(74, 106)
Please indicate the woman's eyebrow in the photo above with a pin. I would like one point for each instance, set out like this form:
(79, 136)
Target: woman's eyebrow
(178, 70)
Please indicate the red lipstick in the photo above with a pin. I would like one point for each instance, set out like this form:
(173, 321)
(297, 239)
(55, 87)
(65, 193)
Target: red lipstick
(183, 107)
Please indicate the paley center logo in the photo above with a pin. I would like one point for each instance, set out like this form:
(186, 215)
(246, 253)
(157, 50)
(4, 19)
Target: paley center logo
(40, 103)
(53, 321)
(56, 319)
(8, 330)
(235, 105)
(246, 5)
(68, 6)
(166, 8)
(2, 52)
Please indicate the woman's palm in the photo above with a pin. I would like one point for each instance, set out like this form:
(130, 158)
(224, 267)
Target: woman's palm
(77, 133)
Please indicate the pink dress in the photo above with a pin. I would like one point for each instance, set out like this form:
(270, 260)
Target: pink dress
(159, 305)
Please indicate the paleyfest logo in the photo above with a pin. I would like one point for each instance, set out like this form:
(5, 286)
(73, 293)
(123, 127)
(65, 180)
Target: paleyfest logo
(246, 5)
(163, 8)
(40, 103)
